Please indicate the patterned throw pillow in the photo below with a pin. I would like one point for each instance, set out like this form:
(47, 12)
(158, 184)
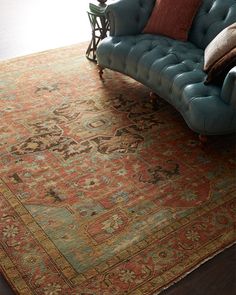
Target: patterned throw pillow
(218, 71)
(220, 55)
(222, 44)
(172, 18)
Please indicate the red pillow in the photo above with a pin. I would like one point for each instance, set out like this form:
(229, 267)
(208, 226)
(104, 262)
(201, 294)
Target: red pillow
(172, 18)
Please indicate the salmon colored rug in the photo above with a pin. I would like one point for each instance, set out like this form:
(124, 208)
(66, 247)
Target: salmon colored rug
(99, 194)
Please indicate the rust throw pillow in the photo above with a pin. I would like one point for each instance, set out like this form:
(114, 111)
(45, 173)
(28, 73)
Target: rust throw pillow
(172, 18)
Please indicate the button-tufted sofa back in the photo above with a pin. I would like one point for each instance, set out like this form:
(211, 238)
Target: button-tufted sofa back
(136, 20)
(213, 16)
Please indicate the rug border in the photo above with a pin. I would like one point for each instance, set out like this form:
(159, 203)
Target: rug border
(11, 274)
(22, 286)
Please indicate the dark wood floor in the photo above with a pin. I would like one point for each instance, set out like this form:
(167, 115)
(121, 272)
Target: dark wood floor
(28, 26)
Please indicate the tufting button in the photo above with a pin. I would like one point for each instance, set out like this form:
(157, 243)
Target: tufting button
(204, 31)
(137, 18)
(208, 9)
(115, 42)
(141, 3)
(225, 17)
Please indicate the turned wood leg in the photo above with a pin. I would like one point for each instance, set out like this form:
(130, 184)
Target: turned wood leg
(100, 72)
(202, 139)
(154, 100)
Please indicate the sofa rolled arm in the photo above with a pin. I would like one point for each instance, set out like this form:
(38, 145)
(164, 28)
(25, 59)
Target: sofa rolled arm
(228, 91)
(128, 17)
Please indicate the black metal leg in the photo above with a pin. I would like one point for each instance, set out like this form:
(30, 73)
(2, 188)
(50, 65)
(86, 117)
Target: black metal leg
(100, 27)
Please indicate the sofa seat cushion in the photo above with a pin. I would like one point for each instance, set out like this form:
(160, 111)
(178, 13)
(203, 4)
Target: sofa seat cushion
(158, 62)
(174, 70)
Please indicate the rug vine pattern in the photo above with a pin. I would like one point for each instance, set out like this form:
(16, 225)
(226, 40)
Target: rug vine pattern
(100, 194)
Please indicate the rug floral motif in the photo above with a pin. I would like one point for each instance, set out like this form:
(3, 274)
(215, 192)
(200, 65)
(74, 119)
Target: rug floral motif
(99, 193)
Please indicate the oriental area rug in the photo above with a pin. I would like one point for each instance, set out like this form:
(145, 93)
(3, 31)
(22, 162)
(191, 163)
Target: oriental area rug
(99, 193)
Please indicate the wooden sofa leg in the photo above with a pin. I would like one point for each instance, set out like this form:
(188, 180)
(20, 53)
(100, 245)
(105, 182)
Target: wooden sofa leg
(154, 100)
(202, 139)
(100, 72)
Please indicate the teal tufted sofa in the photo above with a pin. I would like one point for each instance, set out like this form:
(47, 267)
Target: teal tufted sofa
(170, 68)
